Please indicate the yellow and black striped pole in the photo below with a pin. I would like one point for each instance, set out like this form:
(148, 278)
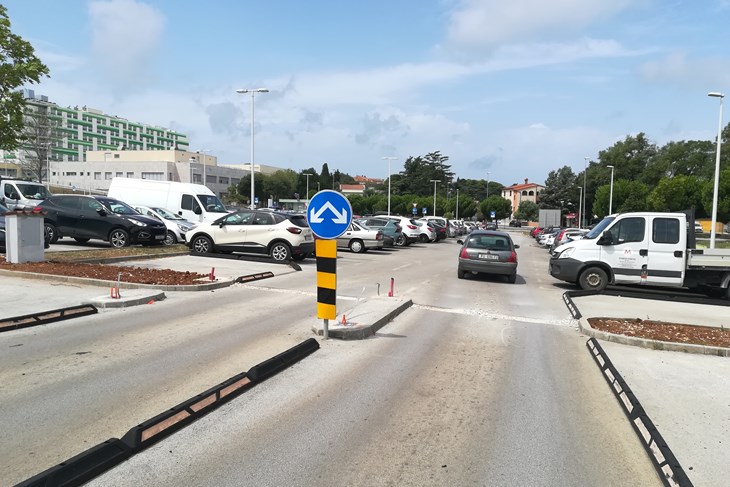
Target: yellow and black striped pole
(326, 251)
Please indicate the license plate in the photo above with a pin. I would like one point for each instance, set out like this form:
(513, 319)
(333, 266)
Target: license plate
(489, 256)
(159, 237)
(307, 237)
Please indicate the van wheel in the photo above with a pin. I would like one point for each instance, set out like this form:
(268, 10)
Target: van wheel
(201, 245)
(50, 233)
(593, 279)
(280, 252)
(170, 238)
(119, 238)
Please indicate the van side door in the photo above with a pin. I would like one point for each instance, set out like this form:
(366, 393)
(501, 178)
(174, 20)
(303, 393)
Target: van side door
(667, 252)
(190, 208)
(625, 249)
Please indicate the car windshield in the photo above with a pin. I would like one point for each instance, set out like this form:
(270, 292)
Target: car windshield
(33, 191)
(212, 203)
(118, 207)
(168, 215)
(598, 229)
(488, 242)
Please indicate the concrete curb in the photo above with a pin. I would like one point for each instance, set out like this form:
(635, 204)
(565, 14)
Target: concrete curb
(122, 285)
(112, 260)
(359, 331)
(125, 301)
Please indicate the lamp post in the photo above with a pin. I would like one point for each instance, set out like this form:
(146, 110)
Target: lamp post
(202, 156)
(253, 93)
(389, 159)
(581, 223)
(610, 197)
(716, 94)
(488, 174)
(457, 203)
(103, 178)
(307, 174)
(434, 181)
(580, 210)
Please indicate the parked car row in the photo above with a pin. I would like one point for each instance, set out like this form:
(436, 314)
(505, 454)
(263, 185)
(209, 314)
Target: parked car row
(552, 237)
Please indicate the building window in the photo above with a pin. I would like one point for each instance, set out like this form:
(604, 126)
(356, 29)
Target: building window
(235, 181)
(156, 176)
(107, 176)
(70, 173)
(119, 174)
(97, 176)
(130, 174)
(222, 180)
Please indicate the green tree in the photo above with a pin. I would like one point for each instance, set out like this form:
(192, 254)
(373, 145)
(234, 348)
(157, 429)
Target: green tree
(325, 178)
(677, 194)
(418, 172)
(281, 184)
(560, 186)
(18, 66)
(502, 207)
(527, 211)
(244, 188)
(723, 203)
(684, 158)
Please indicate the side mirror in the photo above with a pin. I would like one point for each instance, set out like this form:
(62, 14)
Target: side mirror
(101, 211)
(221, 224)
(606, 238)
(198, 210)
(517, 246)
(460, 242)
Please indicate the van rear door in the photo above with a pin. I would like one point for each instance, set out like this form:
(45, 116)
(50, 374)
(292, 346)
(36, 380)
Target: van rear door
(667, 251)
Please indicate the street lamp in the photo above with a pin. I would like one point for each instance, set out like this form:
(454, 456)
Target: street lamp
(716, 94)
(253, 93)
(307, 174)
(580, 211)
(389, 159)
(488, 173)
(202, 154)
(457, 203)
(610, 197)
(434, 181)
(581, 223)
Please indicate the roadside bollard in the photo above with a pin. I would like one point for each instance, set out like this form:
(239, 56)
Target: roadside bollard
(392, 283)
(211, 276)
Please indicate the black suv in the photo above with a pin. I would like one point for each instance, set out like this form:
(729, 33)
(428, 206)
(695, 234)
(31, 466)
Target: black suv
(86, 217)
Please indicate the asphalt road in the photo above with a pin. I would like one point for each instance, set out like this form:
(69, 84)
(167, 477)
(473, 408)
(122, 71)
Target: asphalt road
(481, 382)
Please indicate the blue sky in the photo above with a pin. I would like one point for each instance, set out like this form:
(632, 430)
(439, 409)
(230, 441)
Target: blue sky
(514, 89)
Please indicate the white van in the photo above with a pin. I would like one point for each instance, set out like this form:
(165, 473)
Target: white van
(194, 202)
(17, 194)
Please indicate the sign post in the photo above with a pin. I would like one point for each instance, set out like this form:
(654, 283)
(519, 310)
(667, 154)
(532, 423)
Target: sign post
(329, 215)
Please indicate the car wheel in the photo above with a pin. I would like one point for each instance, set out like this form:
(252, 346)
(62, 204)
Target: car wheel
(119, 238)
(81, 239)
(460, 273)
(280, 252)
(170, 238)
(423, 238)
(512, 278)
(201, 245)
(357, 246)
(400, 241)
(593, 279)
(50, 233)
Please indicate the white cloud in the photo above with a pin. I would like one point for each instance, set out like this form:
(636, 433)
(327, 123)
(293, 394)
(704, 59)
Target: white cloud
(125, 36)
(678, 69)
(490, 23)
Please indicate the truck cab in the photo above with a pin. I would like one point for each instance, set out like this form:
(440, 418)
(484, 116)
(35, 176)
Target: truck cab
(632, 248)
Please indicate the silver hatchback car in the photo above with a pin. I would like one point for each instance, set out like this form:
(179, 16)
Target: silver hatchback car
(488, 252)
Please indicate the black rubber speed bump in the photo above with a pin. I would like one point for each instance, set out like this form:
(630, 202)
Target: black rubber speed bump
(274, 365)
(254, 277)
(45, 317)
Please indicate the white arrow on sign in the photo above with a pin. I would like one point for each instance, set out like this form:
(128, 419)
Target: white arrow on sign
(315, 216)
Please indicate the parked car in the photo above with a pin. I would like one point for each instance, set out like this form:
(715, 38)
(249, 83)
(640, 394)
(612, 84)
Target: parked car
(515, 223)
(392, 231)
(536, 231)
(438, 229)
(488, 252)
(440, 222)
(426, 233)
(359, 238)
(3, 209)
(176, 225)
(490, 226)
(280, 235)
(409, 228)
(17, 194)
(543, 238)
(566, 235)
(100, 217)
(698, 227)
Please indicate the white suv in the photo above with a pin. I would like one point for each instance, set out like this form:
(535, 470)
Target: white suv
(280, 235)
(409, 228)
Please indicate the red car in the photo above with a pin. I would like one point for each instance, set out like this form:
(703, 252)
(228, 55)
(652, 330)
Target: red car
(535, 231)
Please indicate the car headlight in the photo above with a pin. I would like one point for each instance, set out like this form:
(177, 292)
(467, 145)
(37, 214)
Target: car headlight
(566, 253)
(137, 222)
(184, 228)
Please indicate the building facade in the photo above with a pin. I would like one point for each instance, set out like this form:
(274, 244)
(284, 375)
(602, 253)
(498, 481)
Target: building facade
(517, 193)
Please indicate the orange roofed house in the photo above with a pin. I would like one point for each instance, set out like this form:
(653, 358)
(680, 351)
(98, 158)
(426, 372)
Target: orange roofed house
(518, 193)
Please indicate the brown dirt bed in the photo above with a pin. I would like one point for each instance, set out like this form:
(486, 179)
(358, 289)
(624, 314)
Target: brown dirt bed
(663, 331)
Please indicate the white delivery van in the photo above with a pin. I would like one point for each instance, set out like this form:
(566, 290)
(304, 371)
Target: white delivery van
(17, 194)
(194, 202)
(644, 248)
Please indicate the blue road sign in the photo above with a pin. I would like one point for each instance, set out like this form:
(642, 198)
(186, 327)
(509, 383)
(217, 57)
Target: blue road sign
(415, 210)
(493, 214)
(424, 210)
(329, 214)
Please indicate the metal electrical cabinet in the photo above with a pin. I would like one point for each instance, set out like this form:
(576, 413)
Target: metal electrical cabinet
(24, 238)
